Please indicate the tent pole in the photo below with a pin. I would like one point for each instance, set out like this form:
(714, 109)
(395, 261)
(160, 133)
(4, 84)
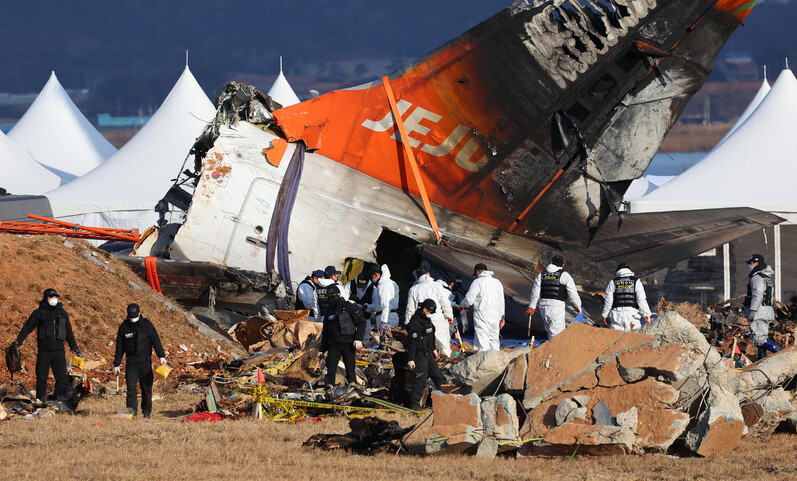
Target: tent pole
(726, 270)
(778, 284)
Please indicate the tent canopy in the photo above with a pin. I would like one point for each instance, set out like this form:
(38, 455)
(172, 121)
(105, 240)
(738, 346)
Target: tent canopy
(123, 191)
(282, 92)
(57, 135)
(21, 174)
(754, 167)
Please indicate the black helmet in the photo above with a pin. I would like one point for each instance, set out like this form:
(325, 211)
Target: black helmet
(133, 311)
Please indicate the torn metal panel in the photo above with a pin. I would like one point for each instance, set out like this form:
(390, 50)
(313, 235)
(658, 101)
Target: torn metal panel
(481, 111)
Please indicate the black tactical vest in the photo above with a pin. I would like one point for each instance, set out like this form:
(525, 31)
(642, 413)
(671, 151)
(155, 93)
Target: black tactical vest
(326, 299)
(299, 303)
(551, 287)
(767, 300)
(625, 292)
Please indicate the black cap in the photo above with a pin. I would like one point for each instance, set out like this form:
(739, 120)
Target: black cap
(362, 278)
(375, 269)
(479, 267)
(331, 271)
(317, 273)
(133, 311)
(621, 265)
(755, 258)
(50, 293)
(558, 260)
(429, 305)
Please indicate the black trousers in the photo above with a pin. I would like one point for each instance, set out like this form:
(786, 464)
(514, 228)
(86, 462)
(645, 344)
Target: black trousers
(334, 353)
(44, 361)
(425, 367)
(141, 374)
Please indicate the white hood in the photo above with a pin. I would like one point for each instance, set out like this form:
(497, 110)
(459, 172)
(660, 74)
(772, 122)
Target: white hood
(325, 282)
(624, 272)
(552, 268)
(424, 279)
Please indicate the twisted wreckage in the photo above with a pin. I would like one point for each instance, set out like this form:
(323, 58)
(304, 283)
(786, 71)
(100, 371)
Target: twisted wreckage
(511, 142)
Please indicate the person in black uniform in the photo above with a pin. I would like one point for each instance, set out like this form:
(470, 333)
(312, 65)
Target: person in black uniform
(421, 351)
(343, 330)
(52, 328)
(136, 338)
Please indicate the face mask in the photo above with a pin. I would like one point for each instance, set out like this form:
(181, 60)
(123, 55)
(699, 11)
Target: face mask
(134, 319)
(53, 301)
(428, 316)
(750, 267)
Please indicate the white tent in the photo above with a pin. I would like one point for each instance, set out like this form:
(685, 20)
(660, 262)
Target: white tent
(123, 190)
(645, 185)
(755, 167)
(57, 135)
(282, 92)
(759, 96)
(21, 174)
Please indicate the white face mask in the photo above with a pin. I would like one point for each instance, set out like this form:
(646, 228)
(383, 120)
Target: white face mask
(750, 267)
(53, 301)
(134, 319)
(428, 316)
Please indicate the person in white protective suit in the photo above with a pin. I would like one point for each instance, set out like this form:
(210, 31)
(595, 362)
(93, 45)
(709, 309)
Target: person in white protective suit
(552, 288)
(486, 295)
(427, 288)
(625, 306)
(306, 296)
(384, 300)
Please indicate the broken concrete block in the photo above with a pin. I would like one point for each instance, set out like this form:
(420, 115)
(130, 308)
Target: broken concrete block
(3, 412)
(556, 363)
(774, 369)
(515, 380)
(628, 419)
(499, 418)
(602, 415)
(581, 400)
(594, 440)
(457, 438)
(480, 370)
(659, 423)
(563, 411)
(674, 361)
(487, 448)
(588, 380)
(763, 416)
(609, 375)
(714, 434)
(456, 409)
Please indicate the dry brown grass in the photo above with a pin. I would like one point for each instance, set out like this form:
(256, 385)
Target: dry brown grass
(76, 447)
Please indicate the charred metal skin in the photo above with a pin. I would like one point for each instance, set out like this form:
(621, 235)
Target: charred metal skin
(527, 130)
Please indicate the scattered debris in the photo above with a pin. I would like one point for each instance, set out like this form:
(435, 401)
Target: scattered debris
(368, 435)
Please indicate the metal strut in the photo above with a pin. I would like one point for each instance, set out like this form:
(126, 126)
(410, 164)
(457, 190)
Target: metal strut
(413, 163)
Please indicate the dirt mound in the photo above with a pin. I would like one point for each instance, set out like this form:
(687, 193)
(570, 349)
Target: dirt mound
(689, 311)
(95, 289)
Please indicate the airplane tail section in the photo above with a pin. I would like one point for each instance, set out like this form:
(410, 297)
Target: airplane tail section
(532, 120)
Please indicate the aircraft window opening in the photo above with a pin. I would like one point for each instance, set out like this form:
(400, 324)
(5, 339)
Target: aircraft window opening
(258, 229)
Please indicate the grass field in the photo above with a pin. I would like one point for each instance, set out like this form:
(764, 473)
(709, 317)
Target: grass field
(93, 445)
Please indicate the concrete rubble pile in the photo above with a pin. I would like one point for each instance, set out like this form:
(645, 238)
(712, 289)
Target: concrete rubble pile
(659, 389)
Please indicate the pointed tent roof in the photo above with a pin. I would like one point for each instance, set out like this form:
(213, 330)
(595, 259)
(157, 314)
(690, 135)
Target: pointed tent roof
(282, 92)
(755, 167)
(759, 96)
(140, 174)
(55, 133)
(21, 174)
